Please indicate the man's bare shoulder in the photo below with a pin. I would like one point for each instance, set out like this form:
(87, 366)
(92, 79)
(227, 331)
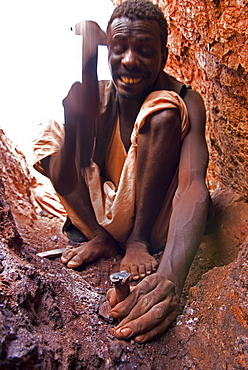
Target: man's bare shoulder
(196, 109)
(192, 96)
(168, 82)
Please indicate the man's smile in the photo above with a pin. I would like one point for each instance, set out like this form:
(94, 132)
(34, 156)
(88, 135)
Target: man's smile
(135, 56)
(130, 80)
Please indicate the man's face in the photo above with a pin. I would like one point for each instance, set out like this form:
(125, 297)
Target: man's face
(135, 56)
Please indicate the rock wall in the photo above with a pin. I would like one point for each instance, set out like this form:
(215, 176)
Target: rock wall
(208, 44)
(17, 179)
(8, 230)
(208, 49)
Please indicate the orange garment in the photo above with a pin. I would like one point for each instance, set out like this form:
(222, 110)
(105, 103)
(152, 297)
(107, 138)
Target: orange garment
(113, 201)
(115, 156)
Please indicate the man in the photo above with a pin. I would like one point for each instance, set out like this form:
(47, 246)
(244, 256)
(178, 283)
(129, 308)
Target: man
(137, 180)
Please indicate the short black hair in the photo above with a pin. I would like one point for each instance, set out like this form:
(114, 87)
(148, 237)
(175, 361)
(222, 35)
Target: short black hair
(142, 9)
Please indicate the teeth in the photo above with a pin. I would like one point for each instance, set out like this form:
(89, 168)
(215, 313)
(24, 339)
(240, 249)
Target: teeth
(130, 81)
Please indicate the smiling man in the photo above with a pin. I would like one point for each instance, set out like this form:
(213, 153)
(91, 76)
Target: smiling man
(129, 166)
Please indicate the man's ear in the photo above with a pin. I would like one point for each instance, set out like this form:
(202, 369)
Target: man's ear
(164, 58)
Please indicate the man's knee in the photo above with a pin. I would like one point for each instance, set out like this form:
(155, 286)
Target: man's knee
(162, 124)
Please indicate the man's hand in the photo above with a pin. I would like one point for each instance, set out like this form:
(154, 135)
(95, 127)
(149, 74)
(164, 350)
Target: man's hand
(92, 36)
(148, 311)
(73, 105)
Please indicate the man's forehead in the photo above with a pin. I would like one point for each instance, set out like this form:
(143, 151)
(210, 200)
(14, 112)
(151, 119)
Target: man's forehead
(126, 26)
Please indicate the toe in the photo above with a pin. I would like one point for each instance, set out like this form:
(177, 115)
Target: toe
(73, 264)
(67, 255)
(154, 265)
(149, 268)
(76, 261)
(134, 272)
(142, 271)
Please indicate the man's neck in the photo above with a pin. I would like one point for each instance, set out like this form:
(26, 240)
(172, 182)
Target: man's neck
(167, 82)
(129, 109)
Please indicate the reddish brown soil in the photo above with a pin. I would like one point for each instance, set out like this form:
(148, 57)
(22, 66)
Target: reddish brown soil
(50, 317)
(49, 314)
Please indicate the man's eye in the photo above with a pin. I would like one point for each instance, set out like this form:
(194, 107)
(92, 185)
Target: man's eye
(146, 52)
(118, 49)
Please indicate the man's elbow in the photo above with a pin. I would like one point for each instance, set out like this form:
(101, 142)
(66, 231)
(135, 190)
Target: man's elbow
(195, 189)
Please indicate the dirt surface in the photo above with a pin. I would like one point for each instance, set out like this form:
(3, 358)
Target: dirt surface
(50, 315)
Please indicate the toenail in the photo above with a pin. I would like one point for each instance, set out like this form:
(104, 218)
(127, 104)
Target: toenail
(124, 332)
(114, 314)
(72, 264)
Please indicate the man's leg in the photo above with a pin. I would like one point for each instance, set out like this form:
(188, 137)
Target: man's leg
(80, 211)
(158, 152)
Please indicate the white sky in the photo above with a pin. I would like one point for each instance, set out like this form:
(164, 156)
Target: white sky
(40, 60)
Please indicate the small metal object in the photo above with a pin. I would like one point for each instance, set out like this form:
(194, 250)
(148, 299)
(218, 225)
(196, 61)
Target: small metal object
(121, 282)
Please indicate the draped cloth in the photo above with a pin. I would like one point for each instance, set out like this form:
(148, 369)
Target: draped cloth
(113, 200)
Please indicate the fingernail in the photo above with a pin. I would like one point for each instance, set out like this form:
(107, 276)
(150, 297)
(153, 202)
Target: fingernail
(124, 332)
(114, 314)
(140, 338)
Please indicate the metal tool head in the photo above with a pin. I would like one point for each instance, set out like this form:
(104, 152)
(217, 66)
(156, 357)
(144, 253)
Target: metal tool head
(121, 276)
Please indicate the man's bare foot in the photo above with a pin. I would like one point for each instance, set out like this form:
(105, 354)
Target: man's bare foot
(97, 247)
(138, 261)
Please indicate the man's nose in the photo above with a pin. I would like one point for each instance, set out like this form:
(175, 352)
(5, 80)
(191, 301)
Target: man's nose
(130, 59)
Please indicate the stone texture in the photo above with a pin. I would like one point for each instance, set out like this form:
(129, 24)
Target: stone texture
(215, 317)
(8, 231)
(208, 49)
(17, 179)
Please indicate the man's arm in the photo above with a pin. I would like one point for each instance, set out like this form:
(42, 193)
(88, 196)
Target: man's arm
(154, 303)
(81, 107)
(191, 201)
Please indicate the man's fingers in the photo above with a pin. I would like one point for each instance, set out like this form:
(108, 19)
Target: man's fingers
(123, 308)
(156, 317)
(111, 297)
(145, 295)
(148, 312)
(157, 330)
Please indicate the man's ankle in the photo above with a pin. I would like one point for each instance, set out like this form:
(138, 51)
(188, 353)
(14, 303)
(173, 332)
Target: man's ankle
(135, 243)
